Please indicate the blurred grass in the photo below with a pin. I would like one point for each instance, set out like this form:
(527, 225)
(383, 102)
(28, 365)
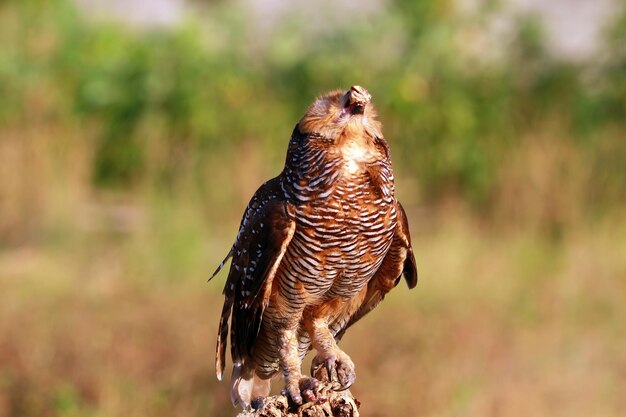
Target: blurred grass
(500, 325)
(127, 157)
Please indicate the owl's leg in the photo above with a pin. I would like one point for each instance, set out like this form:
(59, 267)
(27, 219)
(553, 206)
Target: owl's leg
(298, 386)
(329, 355)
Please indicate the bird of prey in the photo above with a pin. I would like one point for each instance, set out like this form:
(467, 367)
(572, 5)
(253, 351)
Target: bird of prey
(318, 247)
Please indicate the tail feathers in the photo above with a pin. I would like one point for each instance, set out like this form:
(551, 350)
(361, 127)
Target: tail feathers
(247, 386)
(222, 338)
(241, 387)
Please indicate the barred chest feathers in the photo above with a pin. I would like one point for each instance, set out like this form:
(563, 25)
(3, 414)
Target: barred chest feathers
(345, 210)
(349, 168)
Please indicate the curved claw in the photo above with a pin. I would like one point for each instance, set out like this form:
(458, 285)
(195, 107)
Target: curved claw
(328, 365)
(308, 388)
(345, 374)
(305, 390)
(293, 396)
(343, 368)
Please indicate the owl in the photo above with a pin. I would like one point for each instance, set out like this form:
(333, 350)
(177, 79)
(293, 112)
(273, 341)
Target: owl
(318, 248)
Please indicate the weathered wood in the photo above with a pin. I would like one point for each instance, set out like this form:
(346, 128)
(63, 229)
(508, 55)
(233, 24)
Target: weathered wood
(331, 404)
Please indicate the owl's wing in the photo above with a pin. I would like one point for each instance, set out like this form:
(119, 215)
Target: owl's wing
(398, 261)
(265, 232)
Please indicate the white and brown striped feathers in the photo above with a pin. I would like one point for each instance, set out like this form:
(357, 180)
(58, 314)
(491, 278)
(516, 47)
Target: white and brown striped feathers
(266, 229)
(327, 228)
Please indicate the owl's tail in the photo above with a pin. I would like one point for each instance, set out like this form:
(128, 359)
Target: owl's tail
(246, 385)
(222, 335)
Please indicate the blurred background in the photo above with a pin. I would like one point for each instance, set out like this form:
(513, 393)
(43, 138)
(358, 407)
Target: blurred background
(133, 133)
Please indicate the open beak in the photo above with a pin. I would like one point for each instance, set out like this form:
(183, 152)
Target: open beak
(356, 99)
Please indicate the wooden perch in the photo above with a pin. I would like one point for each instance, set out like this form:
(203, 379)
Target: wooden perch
(331, 403)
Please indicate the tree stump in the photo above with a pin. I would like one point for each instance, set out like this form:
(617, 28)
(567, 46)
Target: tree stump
(331, 403)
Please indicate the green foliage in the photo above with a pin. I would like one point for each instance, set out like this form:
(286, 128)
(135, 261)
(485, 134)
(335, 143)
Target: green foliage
(128, 154)
(164, 102)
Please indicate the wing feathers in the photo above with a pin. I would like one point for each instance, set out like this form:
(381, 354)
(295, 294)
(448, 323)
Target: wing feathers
(266, 229)
(409, 269)
(221, 265)
(253, 291)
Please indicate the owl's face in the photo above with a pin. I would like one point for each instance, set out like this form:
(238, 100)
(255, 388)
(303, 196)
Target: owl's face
(342, 113)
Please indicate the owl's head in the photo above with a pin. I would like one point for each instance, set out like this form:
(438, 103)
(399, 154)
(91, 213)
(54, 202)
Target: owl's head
(340, 113)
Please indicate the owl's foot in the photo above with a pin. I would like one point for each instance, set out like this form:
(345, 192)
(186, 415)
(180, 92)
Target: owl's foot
(337, 369)
(302, 390)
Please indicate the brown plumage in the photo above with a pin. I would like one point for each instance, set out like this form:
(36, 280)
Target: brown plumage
(319, 246)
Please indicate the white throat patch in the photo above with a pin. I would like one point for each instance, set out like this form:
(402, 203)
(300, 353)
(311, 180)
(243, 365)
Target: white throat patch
(354, 154)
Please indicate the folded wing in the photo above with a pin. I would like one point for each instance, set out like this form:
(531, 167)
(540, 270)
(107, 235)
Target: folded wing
(265, 232)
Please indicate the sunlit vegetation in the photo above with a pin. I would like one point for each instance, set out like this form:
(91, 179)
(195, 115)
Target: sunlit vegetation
(127, 157)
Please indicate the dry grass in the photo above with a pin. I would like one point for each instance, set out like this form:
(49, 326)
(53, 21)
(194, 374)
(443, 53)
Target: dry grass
(110, 323)
(505, 326)
(104, 308)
